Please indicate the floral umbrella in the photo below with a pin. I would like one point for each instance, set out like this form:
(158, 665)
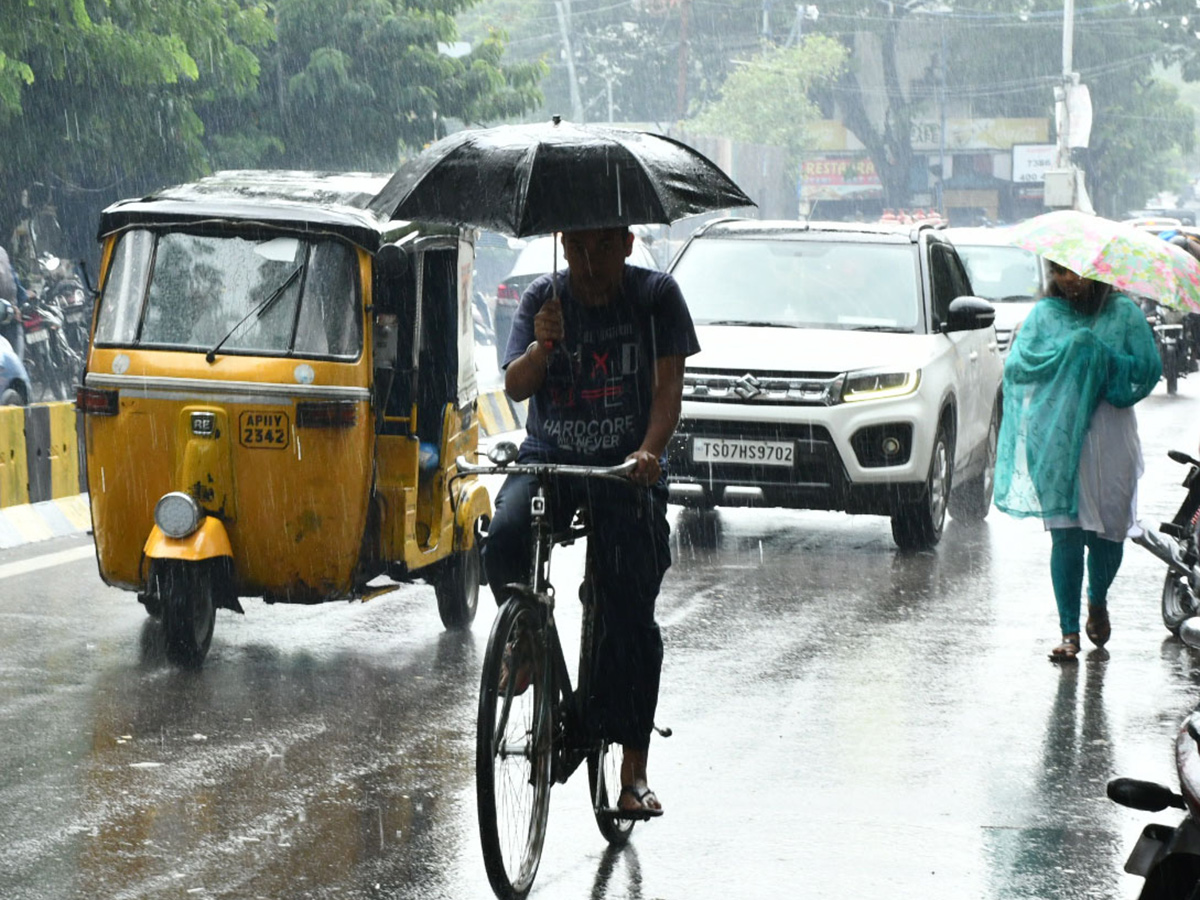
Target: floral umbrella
(1133, 260)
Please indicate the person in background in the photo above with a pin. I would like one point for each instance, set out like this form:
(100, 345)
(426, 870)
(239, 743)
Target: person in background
(13, 293)
(598, 351)
(1069, 451)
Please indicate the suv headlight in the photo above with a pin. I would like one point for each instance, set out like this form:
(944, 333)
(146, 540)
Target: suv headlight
(879, 385)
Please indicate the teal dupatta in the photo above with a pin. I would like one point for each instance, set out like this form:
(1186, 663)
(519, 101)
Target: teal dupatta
(1062, 364)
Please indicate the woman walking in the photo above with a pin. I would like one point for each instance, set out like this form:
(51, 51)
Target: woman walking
(1069, 451)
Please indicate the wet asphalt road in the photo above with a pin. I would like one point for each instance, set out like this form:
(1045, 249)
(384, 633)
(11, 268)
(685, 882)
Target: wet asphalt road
(849, 721)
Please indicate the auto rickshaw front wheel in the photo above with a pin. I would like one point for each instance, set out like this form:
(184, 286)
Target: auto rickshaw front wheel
(457, 587)
(186, 592)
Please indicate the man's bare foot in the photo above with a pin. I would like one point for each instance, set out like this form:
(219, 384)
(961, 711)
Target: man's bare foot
(639, 801)
(636, 796)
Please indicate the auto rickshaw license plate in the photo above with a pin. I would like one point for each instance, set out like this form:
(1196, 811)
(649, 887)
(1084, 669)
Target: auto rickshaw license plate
(259, 428)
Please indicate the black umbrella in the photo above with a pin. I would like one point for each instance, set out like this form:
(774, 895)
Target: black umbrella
(555, 176)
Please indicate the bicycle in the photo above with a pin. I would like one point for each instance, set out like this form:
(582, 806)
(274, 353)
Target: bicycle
(532, 736)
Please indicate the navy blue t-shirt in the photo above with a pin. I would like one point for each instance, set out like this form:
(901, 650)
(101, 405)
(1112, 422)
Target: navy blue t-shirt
(594, 406)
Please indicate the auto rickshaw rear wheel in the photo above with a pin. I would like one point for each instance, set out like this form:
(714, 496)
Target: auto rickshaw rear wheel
(457, 587)
(187, 595)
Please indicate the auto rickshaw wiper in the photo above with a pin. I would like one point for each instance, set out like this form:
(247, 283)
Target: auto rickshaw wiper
(261, 310)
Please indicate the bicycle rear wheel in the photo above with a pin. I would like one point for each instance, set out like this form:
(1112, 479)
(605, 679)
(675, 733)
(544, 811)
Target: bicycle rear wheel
(604, 779)
(512, 757)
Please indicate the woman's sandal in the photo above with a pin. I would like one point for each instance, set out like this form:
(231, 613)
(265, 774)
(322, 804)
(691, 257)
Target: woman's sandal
(1099, 628)
(1067, 650)
(640, 812)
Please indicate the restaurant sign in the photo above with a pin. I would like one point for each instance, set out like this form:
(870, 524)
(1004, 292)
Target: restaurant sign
(839, 177)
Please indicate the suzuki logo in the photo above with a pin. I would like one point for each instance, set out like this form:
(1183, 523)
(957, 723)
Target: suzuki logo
(747, 387)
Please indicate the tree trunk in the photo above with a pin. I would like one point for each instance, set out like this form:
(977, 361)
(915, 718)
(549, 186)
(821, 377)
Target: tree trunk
(890, 147)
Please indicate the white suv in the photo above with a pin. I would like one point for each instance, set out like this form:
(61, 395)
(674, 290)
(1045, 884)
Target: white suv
(1010, 277)
(844, 367)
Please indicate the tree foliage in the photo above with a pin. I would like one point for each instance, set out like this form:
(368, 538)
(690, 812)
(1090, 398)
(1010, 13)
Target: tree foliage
(768, 100)
(1003, 58)
(1140, 126)
(101, 99)
(661, 59)
(102, 94)
(356, 84)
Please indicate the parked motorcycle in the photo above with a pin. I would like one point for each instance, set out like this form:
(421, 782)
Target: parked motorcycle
(1176, 543)
(53, 366)
(1174, 348)
(63, 288)
(1168, 856)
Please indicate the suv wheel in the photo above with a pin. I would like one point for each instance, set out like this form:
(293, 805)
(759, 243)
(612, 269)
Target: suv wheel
(971, 502)
(918, 526)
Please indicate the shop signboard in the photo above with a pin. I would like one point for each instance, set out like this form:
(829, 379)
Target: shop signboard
(839, 177)
(1031, 162)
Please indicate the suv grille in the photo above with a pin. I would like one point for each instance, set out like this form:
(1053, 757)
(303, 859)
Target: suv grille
(816, 460)
(790, 389)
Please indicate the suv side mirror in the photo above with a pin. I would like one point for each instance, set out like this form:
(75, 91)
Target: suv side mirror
(390, 268)
(969, 314)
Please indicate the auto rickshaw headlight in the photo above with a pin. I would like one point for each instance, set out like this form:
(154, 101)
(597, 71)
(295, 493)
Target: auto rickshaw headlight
(177, 514)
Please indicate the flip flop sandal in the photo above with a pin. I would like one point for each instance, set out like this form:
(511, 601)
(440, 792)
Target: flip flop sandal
(1099, 628)
(642, 812)
(1067, 651)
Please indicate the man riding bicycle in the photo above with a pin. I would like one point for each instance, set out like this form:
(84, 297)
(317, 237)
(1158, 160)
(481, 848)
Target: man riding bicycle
(599, 353)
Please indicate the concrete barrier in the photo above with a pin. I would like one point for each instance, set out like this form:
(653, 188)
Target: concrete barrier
(498, 414)
(39, 453)
(14, 469)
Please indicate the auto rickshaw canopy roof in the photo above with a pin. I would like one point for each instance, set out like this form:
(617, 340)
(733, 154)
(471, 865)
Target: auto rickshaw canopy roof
(311, 202)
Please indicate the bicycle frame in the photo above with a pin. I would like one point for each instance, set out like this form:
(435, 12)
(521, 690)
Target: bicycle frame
(571, 737)
(536, 733)
(570, 733)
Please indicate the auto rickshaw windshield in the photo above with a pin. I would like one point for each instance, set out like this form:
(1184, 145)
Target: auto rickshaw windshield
(274, 297)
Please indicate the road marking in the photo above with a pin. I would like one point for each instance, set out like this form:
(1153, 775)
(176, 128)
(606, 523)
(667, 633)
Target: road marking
(49, 560)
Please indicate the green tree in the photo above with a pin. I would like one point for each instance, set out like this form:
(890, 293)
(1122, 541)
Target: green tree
(352, 85)
(1140, 126)
(98, 97)
(1003, 58)
(768, 99)
(660, 59)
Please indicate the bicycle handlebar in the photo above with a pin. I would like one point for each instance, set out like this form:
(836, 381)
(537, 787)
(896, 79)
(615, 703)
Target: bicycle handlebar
(466, 466)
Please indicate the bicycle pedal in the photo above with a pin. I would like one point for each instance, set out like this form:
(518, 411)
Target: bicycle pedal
(630, 815)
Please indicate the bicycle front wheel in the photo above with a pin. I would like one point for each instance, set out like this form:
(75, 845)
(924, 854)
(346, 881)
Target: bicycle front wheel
(604, 779)
(513, 752)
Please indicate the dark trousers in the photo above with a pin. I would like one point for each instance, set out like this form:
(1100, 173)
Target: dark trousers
(629, 548)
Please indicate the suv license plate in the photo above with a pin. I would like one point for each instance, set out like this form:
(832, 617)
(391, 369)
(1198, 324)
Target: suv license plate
(741, 452)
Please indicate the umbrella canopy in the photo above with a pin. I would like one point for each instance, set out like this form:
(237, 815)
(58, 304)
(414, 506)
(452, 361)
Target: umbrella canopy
(1133, 260)
(536, 179)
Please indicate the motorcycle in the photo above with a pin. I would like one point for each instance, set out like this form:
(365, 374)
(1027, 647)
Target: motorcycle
(52, 364)
(1167, 856)
(1177, 544)
(64, 290)
(1174, 348)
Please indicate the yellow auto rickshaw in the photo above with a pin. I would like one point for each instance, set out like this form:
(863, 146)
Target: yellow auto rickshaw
(278, 383)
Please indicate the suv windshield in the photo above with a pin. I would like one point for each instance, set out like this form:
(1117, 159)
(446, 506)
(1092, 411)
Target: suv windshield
(1002, 273)
(800, 284)
(274, 297)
